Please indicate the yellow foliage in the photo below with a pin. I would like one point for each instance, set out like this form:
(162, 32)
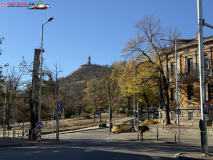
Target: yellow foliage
(149, 122)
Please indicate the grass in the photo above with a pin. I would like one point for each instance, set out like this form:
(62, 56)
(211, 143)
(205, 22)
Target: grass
(66, 124)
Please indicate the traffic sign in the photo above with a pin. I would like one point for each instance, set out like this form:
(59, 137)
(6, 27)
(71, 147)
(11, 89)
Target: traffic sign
(59, 97)
(59, 105)
(59, 111)
(178, 111)
(205, 108)
(178, 104)
(39, 125)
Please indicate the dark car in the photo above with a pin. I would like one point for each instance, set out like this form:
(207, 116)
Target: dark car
(155, 115)
(131, 123)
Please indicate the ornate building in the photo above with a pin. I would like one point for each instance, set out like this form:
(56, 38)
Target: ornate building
(188, 80)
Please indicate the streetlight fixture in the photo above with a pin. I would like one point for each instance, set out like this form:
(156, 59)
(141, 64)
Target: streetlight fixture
(39, 111)
(176, 85)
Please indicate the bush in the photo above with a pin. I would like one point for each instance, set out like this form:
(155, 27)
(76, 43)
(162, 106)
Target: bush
(85, 115)
(121, 112)
(148, 122)
(129, 112)
(116, 111)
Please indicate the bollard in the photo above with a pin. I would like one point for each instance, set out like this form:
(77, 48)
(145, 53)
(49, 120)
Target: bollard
(175, 137)
(157, 134)
(142, 136)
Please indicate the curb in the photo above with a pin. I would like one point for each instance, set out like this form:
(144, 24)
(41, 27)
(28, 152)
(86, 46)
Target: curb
(83, 130)
(35, 144)
(178, 156)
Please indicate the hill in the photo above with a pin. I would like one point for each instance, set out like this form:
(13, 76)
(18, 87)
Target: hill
(78, 79)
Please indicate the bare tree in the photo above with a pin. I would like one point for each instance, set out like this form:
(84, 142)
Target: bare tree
(13, 82)
(149, 49)
(57, 70)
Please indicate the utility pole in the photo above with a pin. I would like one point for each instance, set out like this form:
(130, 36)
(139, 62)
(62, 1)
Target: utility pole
(134, 96)
(34, 86)
(204, 140)
(177, 103)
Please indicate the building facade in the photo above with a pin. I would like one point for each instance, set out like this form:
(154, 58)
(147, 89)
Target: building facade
(188, 81)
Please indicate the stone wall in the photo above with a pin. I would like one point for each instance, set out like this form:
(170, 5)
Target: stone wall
(184, 118)
(187, 131)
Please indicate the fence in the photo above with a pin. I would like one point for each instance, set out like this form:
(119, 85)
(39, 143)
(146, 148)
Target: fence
(50, 125)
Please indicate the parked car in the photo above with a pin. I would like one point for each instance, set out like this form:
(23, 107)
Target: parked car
(121, 127)
(131, 123)
(144, 111)
(150, 110)
(155, 115)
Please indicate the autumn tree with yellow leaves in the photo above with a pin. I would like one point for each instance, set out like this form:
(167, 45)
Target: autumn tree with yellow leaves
(133, 81)
(148, 48)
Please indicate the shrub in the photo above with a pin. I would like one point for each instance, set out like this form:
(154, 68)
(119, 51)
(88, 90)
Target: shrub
(116, 111)
(129, 112)
(85, 115)
(148, 122)
(121, 112)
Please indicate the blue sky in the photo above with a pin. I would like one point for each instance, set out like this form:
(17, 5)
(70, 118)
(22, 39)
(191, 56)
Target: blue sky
(99, 28)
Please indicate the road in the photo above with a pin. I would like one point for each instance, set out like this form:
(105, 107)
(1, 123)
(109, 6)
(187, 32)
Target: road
(96, 145)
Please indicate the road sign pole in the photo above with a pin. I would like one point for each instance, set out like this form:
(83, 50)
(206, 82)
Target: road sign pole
(137, 123)
(53, 122)
(57, 133)
(14, 129)
(109, 121)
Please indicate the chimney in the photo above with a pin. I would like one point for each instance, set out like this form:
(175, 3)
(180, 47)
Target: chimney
(196, 35)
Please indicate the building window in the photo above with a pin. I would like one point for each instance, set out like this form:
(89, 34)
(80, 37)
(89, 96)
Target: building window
(206, 60)
(190, 92)
(173, 94)
(173, 68)
(190, 115)
(190, 65)
(173, 116)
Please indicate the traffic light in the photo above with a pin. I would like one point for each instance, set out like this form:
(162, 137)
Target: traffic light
(208, 91)
(135, 114)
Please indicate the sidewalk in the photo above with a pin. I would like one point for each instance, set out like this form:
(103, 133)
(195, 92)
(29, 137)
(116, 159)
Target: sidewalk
(151, 137)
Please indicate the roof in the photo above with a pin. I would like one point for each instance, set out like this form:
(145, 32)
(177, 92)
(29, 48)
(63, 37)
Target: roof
(189, 42)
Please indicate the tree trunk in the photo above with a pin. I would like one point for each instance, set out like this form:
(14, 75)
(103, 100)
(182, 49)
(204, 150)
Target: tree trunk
(147, 105)
(128, 105)
(166, 87)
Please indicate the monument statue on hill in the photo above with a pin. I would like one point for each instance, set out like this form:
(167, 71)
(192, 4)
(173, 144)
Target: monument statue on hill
(89, 63)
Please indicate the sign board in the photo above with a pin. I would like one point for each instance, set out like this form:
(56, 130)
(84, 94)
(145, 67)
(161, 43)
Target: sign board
(178, 111)
(59, 111)
(97, 114)
(178, 105)
(205, 108)
(15, 121)
(39, 125)
(59, 97)
(59, 105)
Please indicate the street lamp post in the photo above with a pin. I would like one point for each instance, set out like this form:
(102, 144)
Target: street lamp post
(39, 111)
(176, 80)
